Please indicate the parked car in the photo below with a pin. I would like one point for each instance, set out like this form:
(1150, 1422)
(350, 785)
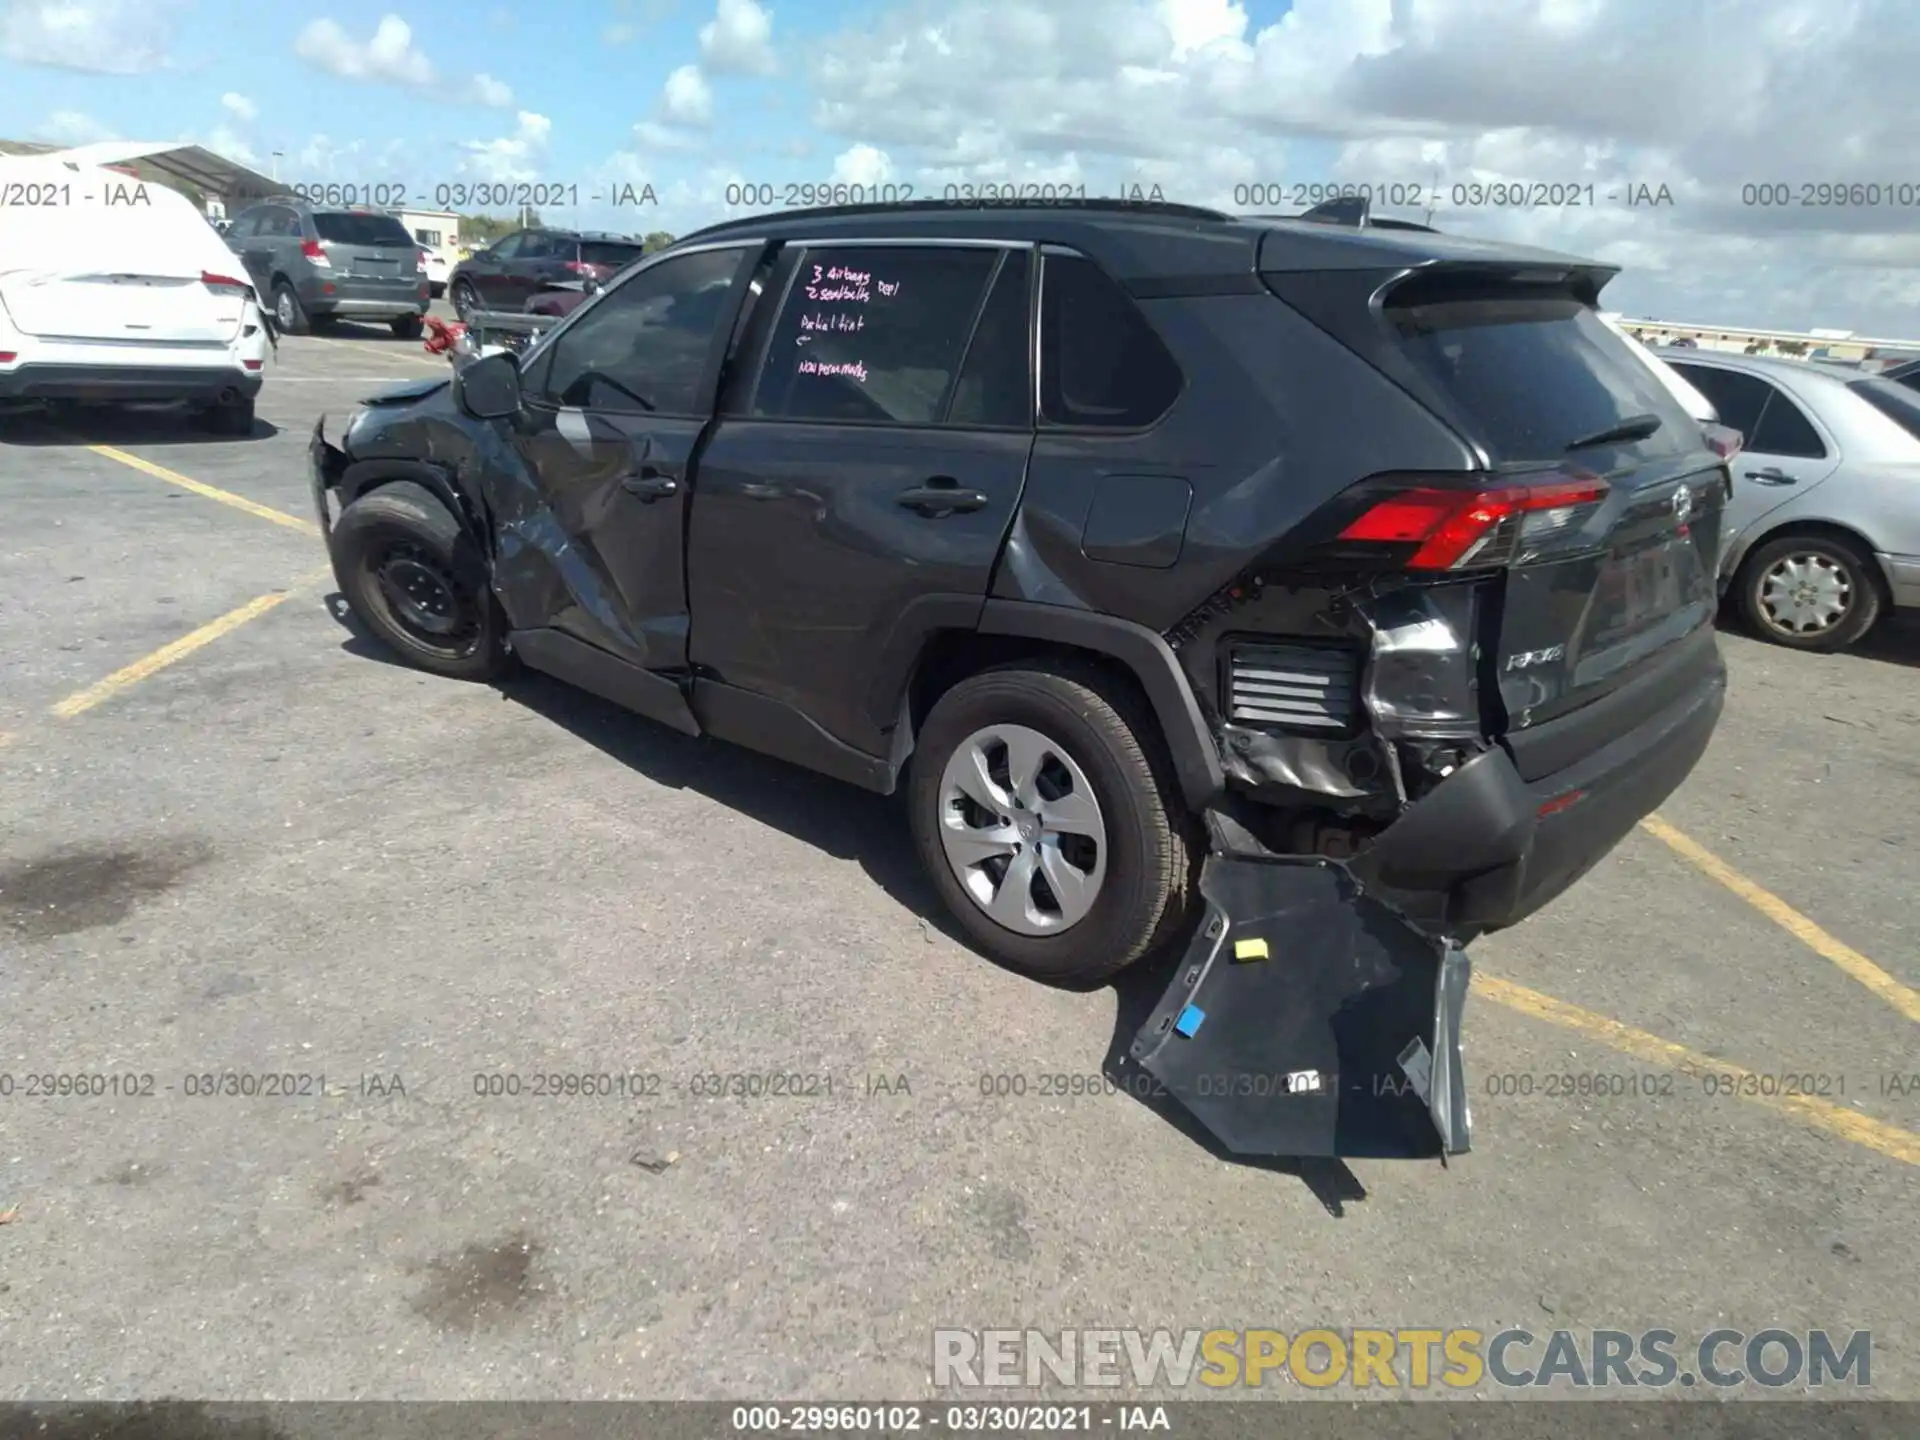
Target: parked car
(318, 264)
(1261, 587)
(1823, 530)
(438, 235)
(562, 297)
(115, 291)
(527, 263)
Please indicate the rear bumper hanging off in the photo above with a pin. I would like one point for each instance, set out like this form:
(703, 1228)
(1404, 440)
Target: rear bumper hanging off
(1309, 1019)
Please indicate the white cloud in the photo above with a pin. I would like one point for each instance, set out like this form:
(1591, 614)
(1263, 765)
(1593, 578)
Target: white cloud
(104, 37)
(619, 33)
(686, 98)
(224, 140)
(514, 157)
(491, 92)
(862, 165)
(240, 107)
(652, 135)
(388, 56)
(1618, 94)
(738, 39)
(71, 127)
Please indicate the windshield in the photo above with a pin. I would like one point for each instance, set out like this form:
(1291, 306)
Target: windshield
(1896, 402)
(1534, 372)
(609, 253)
(355, 228)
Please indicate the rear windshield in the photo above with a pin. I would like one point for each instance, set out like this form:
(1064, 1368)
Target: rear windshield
(1534, 373)
(608, 252)
(348, 227)
(1896, 402)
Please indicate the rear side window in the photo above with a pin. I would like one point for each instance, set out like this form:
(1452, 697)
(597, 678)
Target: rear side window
(1534, 373)
(1101, 364)
(350, 227)
(1785, 430)
(995, 388)
(607, 252)
(873, 334)
(1740, 398)
(1895, 401)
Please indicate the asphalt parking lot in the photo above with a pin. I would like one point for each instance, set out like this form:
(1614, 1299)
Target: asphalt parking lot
(238, 839)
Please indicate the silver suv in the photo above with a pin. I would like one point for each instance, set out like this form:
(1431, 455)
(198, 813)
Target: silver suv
(312, 265)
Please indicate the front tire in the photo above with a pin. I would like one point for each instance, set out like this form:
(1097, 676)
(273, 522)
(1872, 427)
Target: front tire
(414, 578)
(1809, 591)
(1044, 812)
(465, 301)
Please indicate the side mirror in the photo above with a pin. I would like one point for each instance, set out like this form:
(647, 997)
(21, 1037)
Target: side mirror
(489, 388)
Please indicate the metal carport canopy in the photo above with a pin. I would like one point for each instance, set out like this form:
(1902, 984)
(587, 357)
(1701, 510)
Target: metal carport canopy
(213, 175)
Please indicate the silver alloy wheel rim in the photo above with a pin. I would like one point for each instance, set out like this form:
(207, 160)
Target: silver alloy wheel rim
(283, 309)
(1022, 830)
(1806, 594)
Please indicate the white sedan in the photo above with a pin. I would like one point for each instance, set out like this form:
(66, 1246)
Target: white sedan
(117, 291)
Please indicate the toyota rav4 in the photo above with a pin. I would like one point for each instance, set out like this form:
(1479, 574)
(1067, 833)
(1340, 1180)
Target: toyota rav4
(1301, 598)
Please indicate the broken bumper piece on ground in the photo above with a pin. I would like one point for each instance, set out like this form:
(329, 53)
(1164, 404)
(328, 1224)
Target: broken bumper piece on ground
(1309, 1019)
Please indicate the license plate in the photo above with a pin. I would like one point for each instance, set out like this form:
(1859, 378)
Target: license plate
(1652, 583)
(376, 267)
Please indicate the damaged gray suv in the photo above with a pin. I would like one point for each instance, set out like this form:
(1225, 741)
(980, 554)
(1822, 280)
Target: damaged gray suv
(1296, 598)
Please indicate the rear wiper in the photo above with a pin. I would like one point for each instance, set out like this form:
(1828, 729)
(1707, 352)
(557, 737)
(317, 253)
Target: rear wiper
(1634, 427)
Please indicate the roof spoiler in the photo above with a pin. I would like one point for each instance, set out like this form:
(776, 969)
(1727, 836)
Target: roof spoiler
(1356, 213)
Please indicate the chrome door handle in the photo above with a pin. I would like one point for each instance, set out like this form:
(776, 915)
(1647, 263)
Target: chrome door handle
(1773, 475)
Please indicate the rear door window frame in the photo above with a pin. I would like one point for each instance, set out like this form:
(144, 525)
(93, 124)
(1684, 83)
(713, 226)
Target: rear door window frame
(1038, 333)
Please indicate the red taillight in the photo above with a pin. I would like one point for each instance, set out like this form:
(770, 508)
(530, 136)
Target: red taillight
(576, 267)
(1452, 529)
(7, 357)
(311, 249)
(253, 364)
(223, 282)
(424, 257)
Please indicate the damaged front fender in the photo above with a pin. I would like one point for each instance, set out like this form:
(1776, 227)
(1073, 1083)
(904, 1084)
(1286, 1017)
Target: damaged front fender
(1308, 1018)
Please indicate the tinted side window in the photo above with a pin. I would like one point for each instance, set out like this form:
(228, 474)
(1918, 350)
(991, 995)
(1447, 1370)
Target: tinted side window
(1739, 398)
(1785, 430)
(872, 333)
(995, 387)
(280, 221)
(534, 246)
(243, 224)
(509, 248)
(1100, 361)
(644, 346)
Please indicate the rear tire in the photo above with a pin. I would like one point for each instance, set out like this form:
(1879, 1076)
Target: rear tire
(407, 327)
(465, 300)
(233, 418)
(414, 578)
(1809, 591)
(1091, 730)
(288, 313)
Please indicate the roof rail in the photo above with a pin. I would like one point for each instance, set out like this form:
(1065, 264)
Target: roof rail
(1101, 205)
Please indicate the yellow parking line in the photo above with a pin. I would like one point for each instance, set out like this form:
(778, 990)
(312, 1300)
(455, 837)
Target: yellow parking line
(82, 701)
(211, 492)
(1889, 1140)
(1903, 998)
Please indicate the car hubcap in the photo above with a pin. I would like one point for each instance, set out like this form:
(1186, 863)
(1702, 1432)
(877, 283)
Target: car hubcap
(462, 300)
(284, 309)
(1022, 830)
(1806, 594)
(425, 601)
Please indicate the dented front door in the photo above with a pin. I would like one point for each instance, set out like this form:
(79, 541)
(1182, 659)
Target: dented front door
(615, 405)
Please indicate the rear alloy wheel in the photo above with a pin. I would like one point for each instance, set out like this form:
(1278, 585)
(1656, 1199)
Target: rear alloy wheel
(465, 302)
(1810, 592)
(1044, 817)
(407, 327)
(288, 313)
(414, 578)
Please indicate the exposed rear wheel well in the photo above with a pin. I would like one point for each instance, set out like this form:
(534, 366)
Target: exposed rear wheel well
(953, 655)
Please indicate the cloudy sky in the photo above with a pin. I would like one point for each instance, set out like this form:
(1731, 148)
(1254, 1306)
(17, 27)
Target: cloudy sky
(1458, 106)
